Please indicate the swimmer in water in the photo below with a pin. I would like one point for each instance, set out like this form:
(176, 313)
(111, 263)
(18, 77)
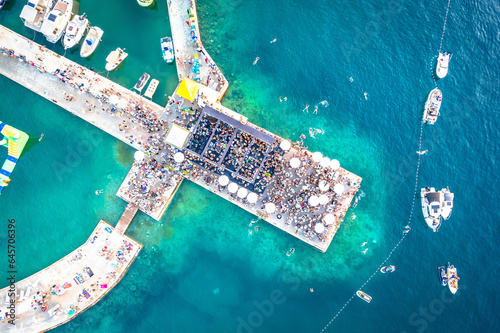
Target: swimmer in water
(41, 137)
(306, 108)
(257, 228)
(311, 290)
(320, 131)
(256, 59)
(249, 232)
(273, 41)
(315, 110)
(364, 244)
(354, 216)
(366, 95)
(98, 192)
(422, 152)
(284, 99)
(302, 136)
(364, 252)
(281, 99)
(324, 103)
(351, 79)
(252, 222)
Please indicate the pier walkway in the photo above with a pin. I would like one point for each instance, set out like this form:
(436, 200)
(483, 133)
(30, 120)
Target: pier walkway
(127, 217)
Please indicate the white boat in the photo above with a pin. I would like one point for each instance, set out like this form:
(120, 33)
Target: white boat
(151, 88)
(432, 106)
(54, 24)
(452, 278)
(443, 62)
(142, 82)
(74, 31)
(431, 207)
(34, 12)
(364, 296)
(447, 206)
(91, 41)
(167, 49)
(145, 3)
(115, 58)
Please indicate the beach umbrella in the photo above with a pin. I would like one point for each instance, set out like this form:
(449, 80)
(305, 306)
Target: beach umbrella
(252, 197)
(179, 157)
(313, 201)
(242, 193)
(323, 185)
(319, 228)
(295, 162)
(317, 156)
(329, 219)
(232, 188)
(139, 155)
(270, 207)
(122, 103)
(113, 99)
(334, 164)
(339, 189)
(325, 162)
(285, 145)
(323, 199)
(223, 180)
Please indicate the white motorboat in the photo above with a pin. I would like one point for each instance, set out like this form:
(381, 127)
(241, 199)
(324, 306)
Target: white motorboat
(142, 82)
(74, 31)
(34, 12)
(447, 206)
(432, 106)
(54, 24)
(431, 207)
(452, 278)
(115, 58)
(145, 3)
(91, 41)
(443, 62)
(167, 49)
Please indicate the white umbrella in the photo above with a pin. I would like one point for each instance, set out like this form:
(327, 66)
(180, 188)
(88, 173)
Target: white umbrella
(295, 162)
(232, 188)
(323, 199)
(223, 180)
(334, 164)
(317, 156)
(319, 228)
(323, 185)
(122, 103)
(325, 162)
(339, 189)
(252, 197)
(329, 219)
(270, 207)
(313, 201)
(139, 155)
(113, 99)
(179, 157)
(242, 193)
(285, 145)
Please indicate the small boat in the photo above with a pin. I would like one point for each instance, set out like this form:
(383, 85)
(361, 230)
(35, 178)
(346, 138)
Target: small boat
(167, 49)
(364, 296)
(142, 82)
(54, 24)
(2, 3)
(431, 207)
(452, 278)
(447, 206)
(151, 88)
(443, 62)
(91, 41)
(432, 106)
(145, 3)
(34, 12)
(443, 278)
(74, 31)
(115, 58)
(388, 269)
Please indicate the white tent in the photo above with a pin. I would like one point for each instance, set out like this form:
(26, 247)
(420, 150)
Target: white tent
(339, 189)
(325, 162)
(317, 156)
(242, 193)
(232, 188)
(319, 228)
(323, 185)
(113, 99)
(295, 162)
(223, 180)
(334, 164)
(285, 145)
(252, 197)
(177, 136)
(179, 157)
(313, 201)
(270, 207)
(329, 219)
(139, 155)
(323, 199)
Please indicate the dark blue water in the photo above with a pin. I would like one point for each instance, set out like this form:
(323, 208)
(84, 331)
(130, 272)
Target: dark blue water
(200, 272)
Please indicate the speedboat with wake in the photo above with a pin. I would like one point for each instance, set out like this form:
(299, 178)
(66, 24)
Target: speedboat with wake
(115, 58)
(142, 82)
(91, 41)
(75, 30)
(432, 106)
(364, 296)
(452, 278)
(388, 269)
(443, 278)
(54, 24)
(443, 62)
(447, 203)
(167, 49)
(431, 207)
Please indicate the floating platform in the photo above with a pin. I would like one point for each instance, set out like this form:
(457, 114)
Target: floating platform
(14, 140)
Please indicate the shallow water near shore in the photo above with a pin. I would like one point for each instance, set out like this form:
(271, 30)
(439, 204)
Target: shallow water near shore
(199, 271)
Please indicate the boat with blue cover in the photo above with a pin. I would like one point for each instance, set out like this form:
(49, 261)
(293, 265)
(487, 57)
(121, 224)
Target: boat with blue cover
(443, 278)
(167, 49)
(388, 269)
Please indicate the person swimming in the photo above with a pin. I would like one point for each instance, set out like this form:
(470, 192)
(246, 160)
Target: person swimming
(41, 137)
(351, 79)
(364, 244)
(285, 99)
(315, 110)
(306, 108)
(364, 252)
(422, 152)
(249, 232)
(281, 99)
(256, 60)
(366, 95)
(324, 103)
(273, 41)
(252, 222)
(98, 192)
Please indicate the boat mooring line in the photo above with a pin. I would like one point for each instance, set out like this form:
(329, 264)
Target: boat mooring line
(400, 240)
(444, 26)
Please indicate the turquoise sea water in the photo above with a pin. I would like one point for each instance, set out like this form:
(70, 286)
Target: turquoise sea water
(201, 245)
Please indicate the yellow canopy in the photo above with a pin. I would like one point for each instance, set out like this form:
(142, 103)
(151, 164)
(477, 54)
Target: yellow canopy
(188, 89)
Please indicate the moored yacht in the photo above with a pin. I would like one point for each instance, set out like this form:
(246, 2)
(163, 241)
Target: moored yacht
(142, 82)
(167, 49)
(34, 11)
(452, 278)
(431, 207)
(74, 31)
(91, 41)
(54, 24)
(145, 3)
(447, 203)
(115, 58)
(443, 62)
(432, 106)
